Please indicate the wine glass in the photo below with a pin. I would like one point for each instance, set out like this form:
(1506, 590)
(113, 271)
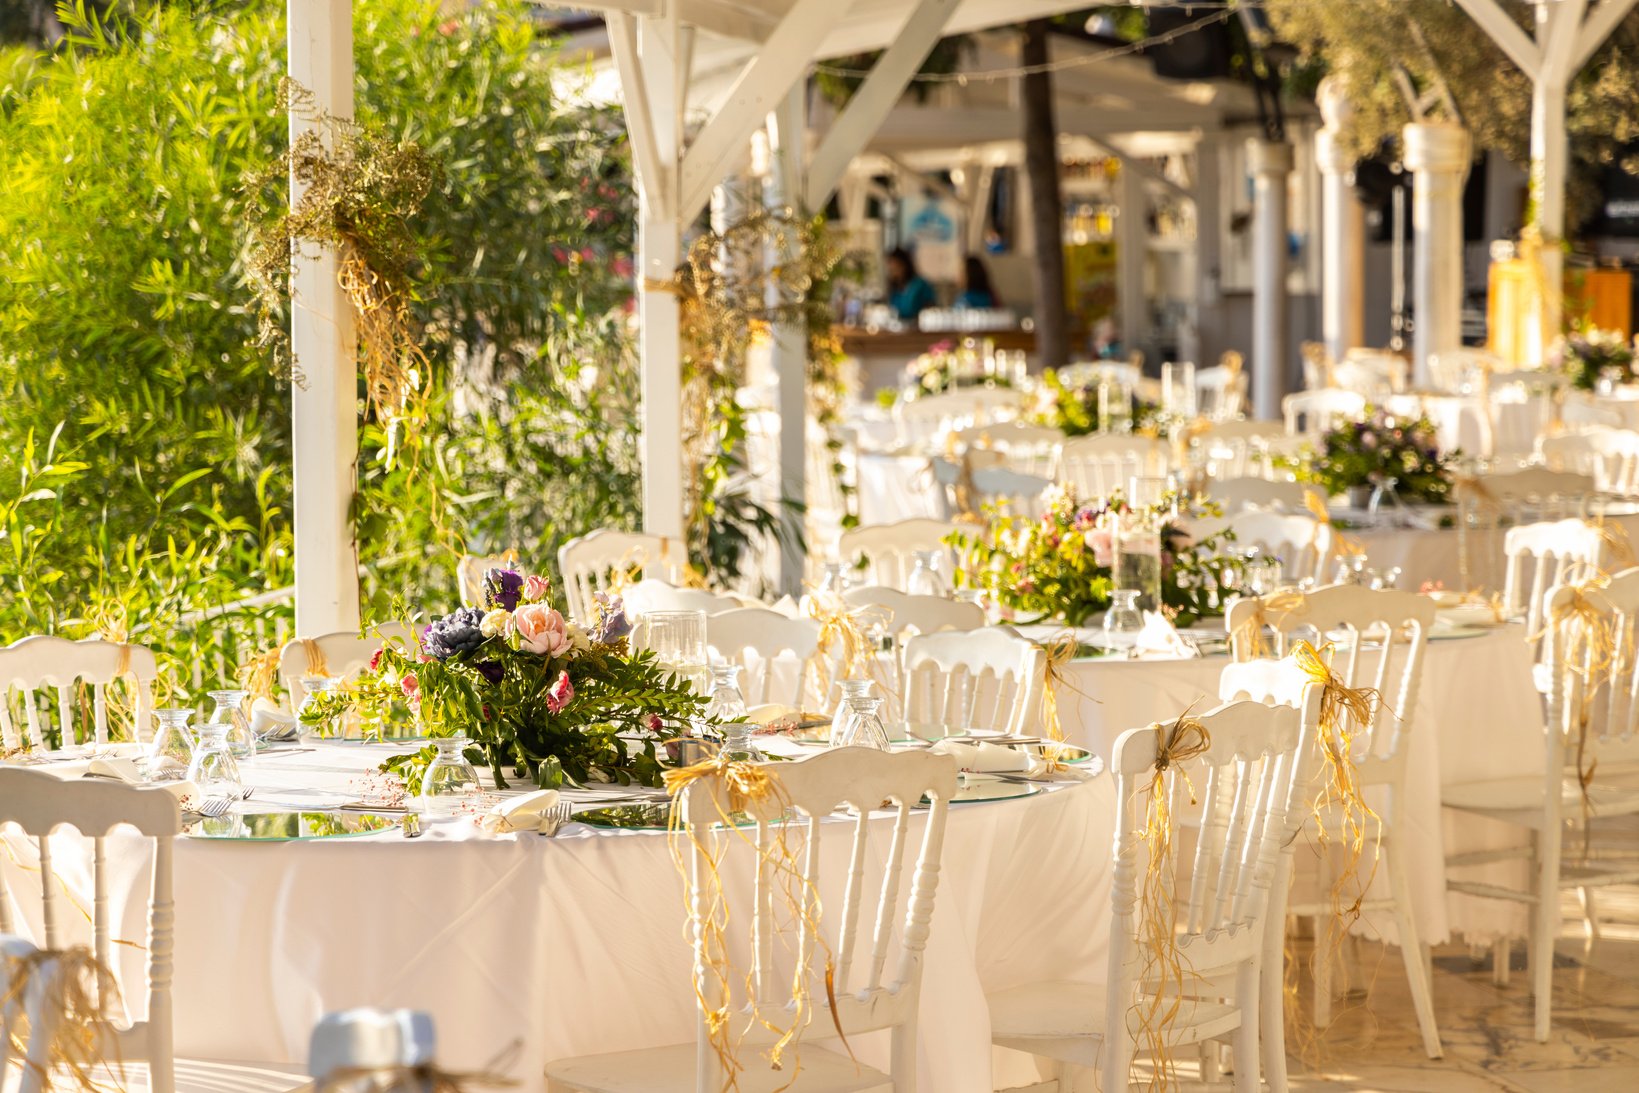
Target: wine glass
(863, 728)
(213, 767)
(230, 711)
(170, 753)
(450, 781)
(851, 689)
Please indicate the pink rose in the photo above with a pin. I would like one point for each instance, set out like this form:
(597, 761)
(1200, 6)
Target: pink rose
(542, 630)
(411, 687)
(375, 658)
(561, 693)
(1099, 542)
(536, 588)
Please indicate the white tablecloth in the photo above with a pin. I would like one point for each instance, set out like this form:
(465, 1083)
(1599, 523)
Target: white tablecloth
(570, 945)
(1434, 554)
(1478, 716)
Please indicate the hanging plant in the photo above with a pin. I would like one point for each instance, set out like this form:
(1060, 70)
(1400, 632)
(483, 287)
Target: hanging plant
(358, 191)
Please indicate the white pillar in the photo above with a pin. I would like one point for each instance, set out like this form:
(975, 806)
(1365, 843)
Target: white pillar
(1342, 229)
(1131, 244)
(324, 404)
(1436, 154)
(1271, 163)
(1550, 149)
(787, 126)
(1208, 197)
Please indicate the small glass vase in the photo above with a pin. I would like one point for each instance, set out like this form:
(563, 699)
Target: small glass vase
(726, 703)
(835, 579)
(1136, 537)
(851, 689)
(213, 767)
(317, 688)
(863, 728)
(230, 711)
(1123, 620)
(450, 782)
(927, 579)
(171, 751)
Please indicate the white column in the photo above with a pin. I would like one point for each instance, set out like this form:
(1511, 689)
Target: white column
(1271, 163)
(1550, 150)
(1342, 229)
(787, 126)
(1208, 198)
(1131, 244)
(1436, 154)
(324, 404)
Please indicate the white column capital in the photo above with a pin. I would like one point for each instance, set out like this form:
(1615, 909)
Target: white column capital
(1269, 157)
(1332, 156)
(1436, 147)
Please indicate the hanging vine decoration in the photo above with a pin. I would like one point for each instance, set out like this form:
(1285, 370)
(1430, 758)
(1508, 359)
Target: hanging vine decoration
(359, 190)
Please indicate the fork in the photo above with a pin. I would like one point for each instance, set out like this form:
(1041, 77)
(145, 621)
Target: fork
(554, 818)
(212, 807)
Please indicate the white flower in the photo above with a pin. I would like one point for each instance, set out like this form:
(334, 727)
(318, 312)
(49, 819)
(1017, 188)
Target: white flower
(578, 639)
(495, 623)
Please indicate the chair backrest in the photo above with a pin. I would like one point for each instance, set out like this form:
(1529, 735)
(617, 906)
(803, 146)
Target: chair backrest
(1586, 408)
(651, 595)
(470, 573)
(1543, 555)
(44, 662)
(1029, 449)
(1370, 373)
(1302, 543)
(1096, 466)
(1579, 692)
(590, 564)
(1611, 456)
(1235, 494)
(981, 679)
(1535, 493)
(1089, 373)
(873, 986)
(1381, 637)
(1246, 780)
(948, 475)
(1459, 371)
(39, 803)
(1314, 412)
(342, 655)
(889, 549)
(899, 613)
(758, 639)
(1235, 449)
(1019, 492)
(921, 420)
(1220, 392)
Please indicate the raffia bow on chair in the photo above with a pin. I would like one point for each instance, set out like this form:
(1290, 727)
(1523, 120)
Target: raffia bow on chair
(841, 629)
(1617, 543)
(1593, 650)
(1057, 654)
(740, 785)
(1343, 546)
(82, 999)
(1162, 973)
(1270, 611)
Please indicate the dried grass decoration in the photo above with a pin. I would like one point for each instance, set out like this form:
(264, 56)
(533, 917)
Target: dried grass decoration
(1594, 650)
(1268, 611)
(356, 191)
(781, 882)
(78, 1016)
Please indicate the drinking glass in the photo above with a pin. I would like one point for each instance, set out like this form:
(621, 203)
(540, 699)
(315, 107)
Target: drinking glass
(1123, 620)
(317, 688)
(851, 689)
(213, 768)
(926, 578)
(726, 702)
(835, 580)
(678, 641)
(1136, 535)
(863, 728)
(450, 781)
(170, 753)
(230, 711)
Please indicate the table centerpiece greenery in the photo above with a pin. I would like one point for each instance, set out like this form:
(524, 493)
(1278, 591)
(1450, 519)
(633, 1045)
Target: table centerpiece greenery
(1591, 355)
(1059, 564)
(1072, 408)
(944, 367)
(531, 690)
(1382, 448)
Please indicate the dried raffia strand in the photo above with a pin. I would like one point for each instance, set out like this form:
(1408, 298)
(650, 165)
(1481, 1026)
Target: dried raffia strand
(85, 1000)
(741, 784)
(1592, 650)
(1617, 543)
(1058, 653)
(1269, 611)
(259, 674)
(1161, 972)
(317, 665)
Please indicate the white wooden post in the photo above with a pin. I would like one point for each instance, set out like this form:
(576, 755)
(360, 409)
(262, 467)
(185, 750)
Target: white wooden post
(1208, 196)
(324, 402)
(1271, 163)
(1436, 154)
(1132, 235)
(787, 126)
(1342, 229)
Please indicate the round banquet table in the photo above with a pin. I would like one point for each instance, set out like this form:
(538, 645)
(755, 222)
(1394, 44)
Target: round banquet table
(1478, 716)
(569, 945)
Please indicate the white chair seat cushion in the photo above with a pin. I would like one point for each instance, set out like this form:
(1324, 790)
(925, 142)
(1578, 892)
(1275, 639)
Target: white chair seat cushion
(1075, 1011)
(195, 1076)
(1613, 791)
(669, 1069)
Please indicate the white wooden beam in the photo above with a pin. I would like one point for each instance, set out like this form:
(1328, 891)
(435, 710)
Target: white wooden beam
(324, 406)
(787, 130)
(876, 97)
(1557, 39)
(783, 60)
(634, 99)
(1144, 170)
(1506, 33)
(1598, 27)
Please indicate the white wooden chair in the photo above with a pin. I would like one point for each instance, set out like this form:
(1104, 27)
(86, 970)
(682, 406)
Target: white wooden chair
(901, 614)
(1029, 449)
(1371, 373)
(1239, 449)
(878, 969)
(1580, 700)
(1610, 455)
(590, 564)
(947, 475)
(1220, 391)
(651, 595)
(1543, 555)
(889, 550)
(342, 655)
(921, 421)
(1387, 635)
(1584, 408)
(40, 803)
(759, 640)
(1310, 413)
(1089, 373)
(1235, 494)
(981, 679)
(1014, 492)
(1096, 466)
(1489, 502)
(45, 662)
(1302, 543)
(1223, 896)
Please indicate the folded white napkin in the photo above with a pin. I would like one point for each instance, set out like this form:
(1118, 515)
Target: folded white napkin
(524, 813)
(130, 772)
(269, 722)
(787, 606)
(982, 757)
(1159, 639)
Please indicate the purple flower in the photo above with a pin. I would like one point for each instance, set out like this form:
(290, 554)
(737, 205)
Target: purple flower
(491, 670)
(457, 632)
(612, 624)
(503, 588)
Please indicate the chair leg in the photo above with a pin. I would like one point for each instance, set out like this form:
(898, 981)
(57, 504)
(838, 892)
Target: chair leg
(903, 1061)
(1272, 1018)
(1411, 954)
(1590, 916)
(1544, 930)
(1322, 960)
(1501, 953)
(1246, 1036)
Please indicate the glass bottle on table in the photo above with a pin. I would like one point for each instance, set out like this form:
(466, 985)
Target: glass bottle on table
(1136, 539)
(727, 702)
(851, 689)
(213, 767)
(170, 753)
(230, 711)
(450, 782)
(863, 728)
(308, 724)
(1123, 620)
(927, 579)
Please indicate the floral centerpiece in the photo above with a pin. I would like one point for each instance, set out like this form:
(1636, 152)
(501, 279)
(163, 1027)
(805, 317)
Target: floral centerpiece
(533, 692)
(1362, 455)
(1592, 355)
(944, 367)
(1060, 563)
(1072, 408)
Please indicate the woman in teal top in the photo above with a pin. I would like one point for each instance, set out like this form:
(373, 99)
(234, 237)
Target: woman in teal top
(908, 293)
(976, 288)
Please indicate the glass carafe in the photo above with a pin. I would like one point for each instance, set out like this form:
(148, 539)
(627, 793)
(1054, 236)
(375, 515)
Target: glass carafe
(1137, 540)
(835, 579)
(310, 721)
(230, 711)
(926, 578)
(851, 689)
(170, 753)
(449, 783)
(726, 702)
(863, 728)
(1123, 620)
(213, 768)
